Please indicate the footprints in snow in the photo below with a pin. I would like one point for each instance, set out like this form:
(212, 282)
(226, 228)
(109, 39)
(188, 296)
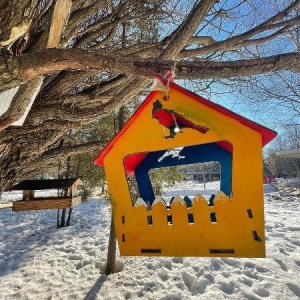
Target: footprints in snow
(281, 264)
(295, 289)
(225, 274)
(255, 278)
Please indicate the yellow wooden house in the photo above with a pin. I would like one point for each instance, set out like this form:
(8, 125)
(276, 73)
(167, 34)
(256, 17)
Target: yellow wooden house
(174, 126)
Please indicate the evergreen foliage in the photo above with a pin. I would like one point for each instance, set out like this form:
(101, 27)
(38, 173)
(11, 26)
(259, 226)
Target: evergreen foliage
(82, 165)
(284, 166)
(168, 176)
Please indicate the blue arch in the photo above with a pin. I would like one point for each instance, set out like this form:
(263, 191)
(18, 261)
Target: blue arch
(188, 155)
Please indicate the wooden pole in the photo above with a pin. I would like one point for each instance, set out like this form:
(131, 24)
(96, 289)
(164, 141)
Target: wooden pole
(111, 252)
(112, 243)
(63, 218)
(69, 216)
(57, 219)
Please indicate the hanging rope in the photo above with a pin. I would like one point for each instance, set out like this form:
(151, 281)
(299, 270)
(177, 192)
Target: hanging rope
(159, 86)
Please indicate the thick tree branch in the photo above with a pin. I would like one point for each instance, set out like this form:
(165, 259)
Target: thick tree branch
(239, 68)
(184, 69)
(29, 66)
(180, 37)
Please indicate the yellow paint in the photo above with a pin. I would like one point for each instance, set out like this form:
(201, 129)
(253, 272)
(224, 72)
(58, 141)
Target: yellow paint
(235, 233)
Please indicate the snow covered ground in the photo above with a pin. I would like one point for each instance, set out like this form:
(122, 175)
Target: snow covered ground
(38, 261)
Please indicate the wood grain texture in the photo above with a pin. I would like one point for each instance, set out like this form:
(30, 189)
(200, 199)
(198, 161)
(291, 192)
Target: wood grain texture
(46, 203)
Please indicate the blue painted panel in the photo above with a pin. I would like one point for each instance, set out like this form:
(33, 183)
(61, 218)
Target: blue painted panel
(188, 201)
(185, 156)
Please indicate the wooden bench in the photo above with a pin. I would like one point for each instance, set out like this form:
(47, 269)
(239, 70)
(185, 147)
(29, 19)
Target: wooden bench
(67, 196)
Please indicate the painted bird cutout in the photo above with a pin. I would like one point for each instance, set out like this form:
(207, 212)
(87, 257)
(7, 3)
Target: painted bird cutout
(173, 121)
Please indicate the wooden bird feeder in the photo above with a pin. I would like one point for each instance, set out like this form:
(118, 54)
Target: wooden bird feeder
(69, 197)
(175, 127)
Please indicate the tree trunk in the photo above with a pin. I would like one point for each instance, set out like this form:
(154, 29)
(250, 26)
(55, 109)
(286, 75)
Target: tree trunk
(69, 217)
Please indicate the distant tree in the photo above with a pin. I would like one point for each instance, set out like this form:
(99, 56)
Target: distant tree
(93, 177)
(82, 164)
(283, 166)
(168, 176)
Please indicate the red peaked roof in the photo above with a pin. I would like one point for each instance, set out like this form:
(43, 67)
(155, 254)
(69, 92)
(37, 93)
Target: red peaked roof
(132, 161)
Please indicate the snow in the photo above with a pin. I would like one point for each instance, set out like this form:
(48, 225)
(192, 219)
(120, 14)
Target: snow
(140, 202)
(38, 261)
(158, 199)
(191, 188)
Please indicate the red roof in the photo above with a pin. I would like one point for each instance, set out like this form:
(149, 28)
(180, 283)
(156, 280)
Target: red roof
(132, 161)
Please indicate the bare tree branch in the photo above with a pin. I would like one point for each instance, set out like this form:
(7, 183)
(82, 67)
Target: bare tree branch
(238, 40)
